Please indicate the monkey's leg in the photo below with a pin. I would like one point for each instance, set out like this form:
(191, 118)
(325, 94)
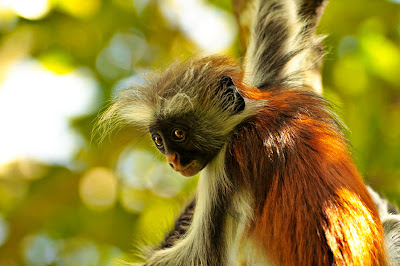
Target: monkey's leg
(390, 217)
(182, 224)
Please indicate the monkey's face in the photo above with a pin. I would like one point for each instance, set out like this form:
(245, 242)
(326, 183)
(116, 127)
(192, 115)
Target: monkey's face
(187, 147)
(190, 110)
(193, 133)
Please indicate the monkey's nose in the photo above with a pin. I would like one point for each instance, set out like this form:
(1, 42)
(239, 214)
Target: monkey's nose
(173, 160)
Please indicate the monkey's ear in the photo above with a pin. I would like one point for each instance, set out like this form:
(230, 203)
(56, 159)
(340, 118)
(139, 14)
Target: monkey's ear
(231, 95)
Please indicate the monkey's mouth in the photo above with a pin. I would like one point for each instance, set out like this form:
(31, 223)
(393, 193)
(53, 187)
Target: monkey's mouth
(190, 170)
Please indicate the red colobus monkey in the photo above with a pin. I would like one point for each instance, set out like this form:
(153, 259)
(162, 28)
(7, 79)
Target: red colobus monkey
(277, 184)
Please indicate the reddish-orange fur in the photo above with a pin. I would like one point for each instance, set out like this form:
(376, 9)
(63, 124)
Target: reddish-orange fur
(312, 205)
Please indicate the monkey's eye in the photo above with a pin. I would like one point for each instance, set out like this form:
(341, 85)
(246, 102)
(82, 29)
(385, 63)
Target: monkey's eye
(179, 135)
(158, 141)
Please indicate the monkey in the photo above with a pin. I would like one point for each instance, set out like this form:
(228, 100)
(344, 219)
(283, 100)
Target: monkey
(277, 184)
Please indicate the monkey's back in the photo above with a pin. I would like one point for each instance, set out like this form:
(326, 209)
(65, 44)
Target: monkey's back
(312, 207)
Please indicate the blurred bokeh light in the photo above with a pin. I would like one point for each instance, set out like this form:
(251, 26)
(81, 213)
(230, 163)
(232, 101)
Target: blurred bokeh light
(66, 199)
(36, 105)
(29, 9)
(98, 188)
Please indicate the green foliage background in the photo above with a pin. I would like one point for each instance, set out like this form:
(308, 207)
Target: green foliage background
(42, 208)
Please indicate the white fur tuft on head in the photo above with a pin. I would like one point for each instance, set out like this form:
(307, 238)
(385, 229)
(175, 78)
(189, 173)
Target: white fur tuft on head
(188, 87)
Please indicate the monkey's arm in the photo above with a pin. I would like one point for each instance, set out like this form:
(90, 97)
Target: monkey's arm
(280, 41)
(204, 241)
(181, 226)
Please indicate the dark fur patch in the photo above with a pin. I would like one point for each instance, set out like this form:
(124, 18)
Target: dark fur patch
(392, 209)
(182, 224)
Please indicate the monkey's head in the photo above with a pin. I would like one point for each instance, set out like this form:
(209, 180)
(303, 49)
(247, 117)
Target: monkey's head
(191, 110)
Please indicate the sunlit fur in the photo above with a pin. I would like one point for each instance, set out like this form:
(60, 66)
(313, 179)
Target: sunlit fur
(312, 207)
(282, 189)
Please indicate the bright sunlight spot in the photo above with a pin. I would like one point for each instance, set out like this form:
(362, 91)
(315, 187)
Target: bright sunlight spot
(36, 106)
(31, 9)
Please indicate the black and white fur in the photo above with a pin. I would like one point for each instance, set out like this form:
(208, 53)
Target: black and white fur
(390, 218)
(221, 213)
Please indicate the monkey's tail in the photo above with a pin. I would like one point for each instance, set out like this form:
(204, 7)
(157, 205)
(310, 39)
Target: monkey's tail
(390, 218)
